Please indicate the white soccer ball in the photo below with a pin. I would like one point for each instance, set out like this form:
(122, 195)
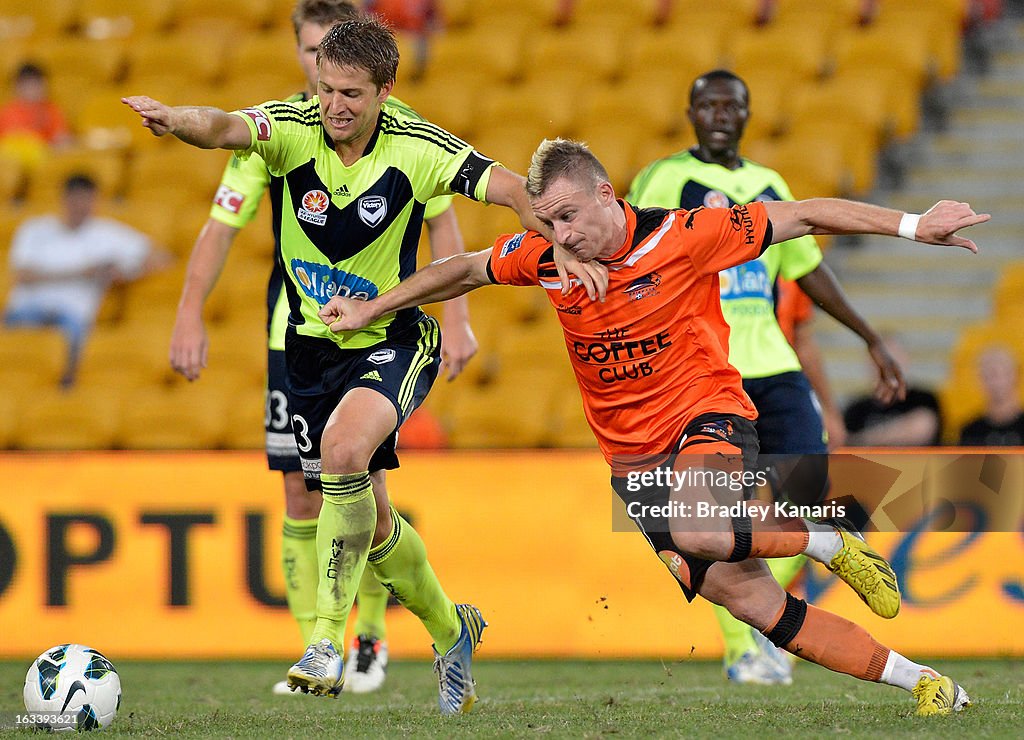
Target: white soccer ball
(72, 687)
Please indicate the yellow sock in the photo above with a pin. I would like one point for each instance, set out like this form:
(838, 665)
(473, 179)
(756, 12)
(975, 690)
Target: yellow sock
(298, 557)
(371, 605)
(400, 563)
(343, 536)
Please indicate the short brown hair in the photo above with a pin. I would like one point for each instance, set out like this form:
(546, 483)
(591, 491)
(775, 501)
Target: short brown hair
(364, 43)
(557, 158)
(323, 13)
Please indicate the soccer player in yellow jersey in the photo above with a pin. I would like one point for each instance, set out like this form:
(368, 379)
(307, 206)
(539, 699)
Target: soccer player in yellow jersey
(356, 177)
(235, 205)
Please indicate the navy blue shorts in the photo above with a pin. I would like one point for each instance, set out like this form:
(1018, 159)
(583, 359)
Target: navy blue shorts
(788, 415)
(724, 436)
(282, 454)
(402, 368)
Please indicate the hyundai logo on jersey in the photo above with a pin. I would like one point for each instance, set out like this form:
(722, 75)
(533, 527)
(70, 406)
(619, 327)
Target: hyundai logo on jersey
(323, 282)
(745, 281)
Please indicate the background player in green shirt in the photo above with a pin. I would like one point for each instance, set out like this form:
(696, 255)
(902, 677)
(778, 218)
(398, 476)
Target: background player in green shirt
(356, 177)
(235, 205)
(714, 175)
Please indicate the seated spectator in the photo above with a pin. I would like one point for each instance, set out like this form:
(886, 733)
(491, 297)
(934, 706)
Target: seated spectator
(1002, 424)
(916, 421)
(62, 265)
(31, 123)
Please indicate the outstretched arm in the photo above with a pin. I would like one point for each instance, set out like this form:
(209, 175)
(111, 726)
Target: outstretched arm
(821, 286)
(458, 345)
(206, 128)
(438, 281)
(938, 225)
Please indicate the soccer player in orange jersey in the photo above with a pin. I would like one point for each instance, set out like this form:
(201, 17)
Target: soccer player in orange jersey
(652, 366)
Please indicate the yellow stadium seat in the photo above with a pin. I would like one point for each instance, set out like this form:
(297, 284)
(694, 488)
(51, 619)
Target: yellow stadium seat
(137, 348)
(104, 121)
(481, 417)
(195, 171)
(797, 16)
(8, 416)
(569, 427)
(859, 148)
(244, 16)
(42, 20)
(628, 16)
(615, 144)
(903, 51)
(475, 56)
(186, 417)
(105, 167)
(676, 59)
(1008, 297)
(722, 17)
(89, 62)
(814, 167)
(844, 99)
(245, 429)
(445, 99)
(262, 52)
(755, 50)
(537, 104)
(511, 144)
(102, 19)
(940, 24)
(12, 179)
(581, 52)
(194, 55)
(70, 420)
(771, 94)
(43, 350)
(541, 13)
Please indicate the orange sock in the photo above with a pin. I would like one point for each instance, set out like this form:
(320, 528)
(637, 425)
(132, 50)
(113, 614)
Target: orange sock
(776, 538)
(837, 644)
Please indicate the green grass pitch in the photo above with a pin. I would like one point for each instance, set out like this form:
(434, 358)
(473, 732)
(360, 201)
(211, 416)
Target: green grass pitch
(548, 699)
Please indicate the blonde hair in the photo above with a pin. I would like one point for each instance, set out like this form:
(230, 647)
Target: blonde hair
(557, 158)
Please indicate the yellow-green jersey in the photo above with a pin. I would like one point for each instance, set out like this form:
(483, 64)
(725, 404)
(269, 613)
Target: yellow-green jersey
(236, 202)
(757, 346)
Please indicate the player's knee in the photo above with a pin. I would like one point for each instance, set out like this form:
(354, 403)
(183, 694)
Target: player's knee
(756, 605)
(341, 456)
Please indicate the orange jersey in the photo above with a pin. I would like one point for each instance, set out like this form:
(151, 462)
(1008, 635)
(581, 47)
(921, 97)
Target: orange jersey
(655, 354)
(792, 308)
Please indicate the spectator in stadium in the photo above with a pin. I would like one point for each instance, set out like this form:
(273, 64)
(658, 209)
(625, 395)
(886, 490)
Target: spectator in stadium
(31, 123)
(420, 19)
(652, 367)
(915, 420)
(790, 419)
(235, 205)
(350, 226)
(63, 264)
(1002, 424)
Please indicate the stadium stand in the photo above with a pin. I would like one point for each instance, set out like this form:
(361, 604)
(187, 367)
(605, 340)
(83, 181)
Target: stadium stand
(504, 74)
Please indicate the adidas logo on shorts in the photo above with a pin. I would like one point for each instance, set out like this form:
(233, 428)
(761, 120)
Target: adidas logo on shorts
(372, 375)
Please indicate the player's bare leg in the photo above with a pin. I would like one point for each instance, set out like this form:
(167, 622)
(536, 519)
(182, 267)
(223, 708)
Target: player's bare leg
(737, 538)
(749, 592)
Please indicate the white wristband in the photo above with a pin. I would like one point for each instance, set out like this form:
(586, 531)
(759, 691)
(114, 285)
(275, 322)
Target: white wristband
(908, 226)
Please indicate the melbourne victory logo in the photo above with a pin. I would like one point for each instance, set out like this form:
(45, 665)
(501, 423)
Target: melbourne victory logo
(314, 207)
(372, 209)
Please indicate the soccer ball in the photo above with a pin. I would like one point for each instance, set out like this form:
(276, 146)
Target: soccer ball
(72, 687)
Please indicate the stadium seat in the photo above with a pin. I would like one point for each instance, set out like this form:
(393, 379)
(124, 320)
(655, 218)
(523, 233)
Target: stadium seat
(674, 60)
(859, 148)
(797, 16)
(815, 167)
(656, 102)
(12, 178)
(541, 13)
(41, 20)
(262, 52)
(78, 419)
(196, 172)
(186, 417)
(940, 24)
(843, 98)
(245, 424)
(475, 56)
(446, 99)
(689, 17)
(569, 427)
(104, 121)
(251, 88)
(578, 51)
(904, 51)
(86, 62)
(44, 351)
(105, 167)
(615, 144)
(138, 348)
(8, 416)
(511, 144)
(631, 17)
(101, 19)
(751, 51)
(481, 417)
(244, 16)
(193, 55)
(537, 104)
(1008, 296)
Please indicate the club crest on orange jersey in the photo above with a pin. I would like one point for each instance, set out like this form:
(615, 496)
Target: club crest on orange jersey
(643, 287)
(314, 207)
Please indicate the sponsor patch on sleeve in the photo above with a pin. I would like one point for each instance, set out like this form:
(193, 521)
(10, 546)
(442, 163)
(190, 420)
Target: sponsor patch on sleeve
(262, 122)
(228, 199)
